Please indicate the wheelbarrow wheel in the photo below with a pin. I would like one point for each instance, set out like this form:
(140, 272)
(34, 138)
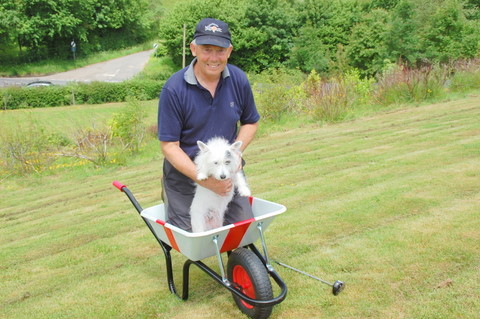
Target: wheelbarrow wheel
(248, 272)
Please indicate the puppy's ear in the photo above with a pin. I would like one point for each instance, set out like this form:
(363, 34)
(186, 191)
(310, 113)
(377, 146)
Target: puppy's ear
(237, 145)
(203, 147)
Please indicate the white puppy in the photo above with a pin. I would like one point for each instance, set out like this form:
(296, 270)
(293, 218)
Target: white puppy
(219, 160)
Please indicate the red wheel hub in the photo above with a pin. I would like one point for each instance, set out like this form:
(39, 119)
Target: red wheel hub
(242, 279)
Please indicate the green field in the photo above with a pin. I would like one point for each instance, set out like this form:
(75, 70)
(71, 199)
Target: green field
(387, 203)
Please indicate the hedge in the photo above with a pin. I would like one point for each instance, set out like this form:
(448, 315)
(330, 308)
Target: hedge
(78, 93)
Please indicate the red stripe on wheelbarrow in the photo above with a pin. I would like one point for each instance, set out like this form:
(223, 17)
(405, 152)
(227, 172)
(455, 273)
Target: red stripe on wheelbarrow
(170, 236)
(235, 235)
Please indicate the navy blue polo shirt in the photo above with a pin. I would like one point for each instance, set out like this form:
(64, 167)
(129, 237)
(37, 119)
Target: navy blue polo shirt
(188, 113)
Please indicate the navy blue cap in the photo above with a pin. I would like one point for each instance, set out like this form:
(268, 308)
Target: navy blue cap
(213, 32)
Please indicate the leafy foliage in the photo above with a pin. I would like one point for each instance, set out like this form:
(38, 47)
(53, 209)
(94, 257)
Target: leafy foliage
(402, 84)
(366, 50)
(448, 35)
(47, 27)
(265, 35)
(129, 127)
(323, 32)
(28, 149)
(79, 93)
(401, 37)
(334, 36)
(261, 30)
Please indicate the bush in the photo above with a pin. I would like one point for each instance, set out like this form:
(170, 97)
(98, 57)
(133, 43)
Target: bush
(277, 92)
(360, 89)
(129, 127)
(92, 144)
(330, 100)
(466, 75)
(143, 89)
(28, 97)
(271, 100)
(99, 92)
(29, 148)
(79, 93)
(406, 85)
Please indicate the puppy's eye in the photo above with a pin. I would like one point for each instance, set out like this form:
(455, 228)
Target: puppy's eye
(227, 162)
(216, 163)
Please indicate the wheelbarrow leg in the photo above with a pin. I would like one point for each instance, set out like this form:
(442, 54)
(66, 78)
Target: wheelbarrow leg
(264, 246)
(221, 265)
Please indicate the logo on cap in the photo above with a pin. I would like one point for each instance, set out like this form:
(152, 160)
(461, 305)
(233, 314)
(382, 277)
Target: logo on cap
(213, 27)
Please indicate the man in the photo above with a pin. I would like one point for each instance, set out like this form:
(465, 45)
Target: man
(206, 99)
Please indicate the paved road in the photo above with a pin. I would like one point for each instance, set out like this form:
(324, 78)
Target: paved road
(115, 70)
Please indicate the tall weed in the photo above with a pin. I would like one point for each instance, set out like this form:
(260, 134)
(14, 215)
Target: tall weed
(29, 148)
(128, 126)
(466, 75)
(331, 99)
(90, 144)
(277, 93)
(403, 84)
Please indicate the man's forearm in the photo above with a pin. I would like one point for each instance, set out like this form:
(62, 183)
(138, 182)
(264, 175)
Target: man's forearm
(246, 134)
(179, 159)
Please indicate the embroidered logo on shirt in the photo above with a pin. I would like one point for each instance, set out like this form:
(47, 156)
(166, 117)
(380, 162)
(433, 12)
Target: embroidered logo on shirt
(213, 27)
(232, 104)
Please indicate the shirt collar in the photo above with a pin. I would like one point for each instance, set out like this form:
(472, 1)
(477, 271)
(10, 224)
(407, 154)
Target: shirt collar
(190, 77)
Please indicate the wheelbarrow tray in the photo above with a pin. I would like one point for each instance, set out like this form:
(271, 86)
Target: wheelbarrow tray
(197, 246)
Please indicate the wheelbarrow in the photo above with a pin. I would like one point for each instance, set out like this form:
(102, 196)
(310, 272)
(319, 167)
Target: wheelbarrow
(248, 272)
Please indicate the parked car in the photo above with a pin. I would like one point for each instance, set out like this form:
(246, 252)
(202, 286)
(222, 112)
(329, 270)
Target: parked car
(39, 83)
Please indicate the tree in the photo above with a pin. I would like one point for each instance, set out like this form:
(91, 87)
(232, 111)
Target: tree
(366, 48)
(324, 29)
(448, 35)
(46, 27)
(310, 52)
(264, 38)
(402, 38)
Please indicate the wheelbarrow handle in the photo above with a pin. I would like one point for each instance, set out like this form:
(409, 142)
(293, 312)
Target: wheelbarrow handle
(129, 194)
(119, 185)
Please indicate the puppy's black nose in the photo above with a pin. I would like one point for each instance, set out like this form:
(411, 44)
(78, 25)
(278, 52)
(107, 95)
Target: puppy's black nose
(223, 176)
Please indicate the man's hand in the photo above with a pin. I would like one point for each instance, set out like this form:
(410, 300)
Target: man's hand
(219, 187)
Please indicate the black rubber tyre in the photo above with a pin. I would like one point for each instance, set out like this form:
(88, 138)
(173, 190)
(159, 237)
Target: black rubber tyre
(247, 271)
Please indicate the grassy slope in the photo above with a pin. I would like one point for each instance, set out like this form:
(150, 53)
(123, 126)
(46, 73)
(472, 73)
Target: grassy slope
(66, 119)
(386, 203)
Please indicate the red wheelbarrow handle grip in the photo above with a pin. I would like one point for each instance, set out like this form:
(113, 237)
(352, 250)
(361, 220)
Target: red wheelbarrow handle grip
(129, 194)
(118, 185)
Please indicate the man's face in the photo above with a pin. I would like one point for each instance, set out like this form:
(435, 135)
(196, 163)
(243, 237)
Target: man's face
(211, 60)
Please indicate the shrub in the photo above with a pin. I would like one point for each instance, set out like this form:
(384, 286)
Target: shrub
(330, 100)
(99, 92)
(91, 144)
(79, 93)
(28, 148)
(277, 92)
(142, 89)
(129, 127)
(30, 97)
(466, 75)
(271, 100)
(359, 89)
(406, 85)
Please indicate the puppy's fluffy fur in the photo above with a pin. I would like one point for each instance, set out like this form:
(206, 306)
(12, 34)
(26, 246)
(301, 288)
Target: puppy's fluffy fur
(220, 160)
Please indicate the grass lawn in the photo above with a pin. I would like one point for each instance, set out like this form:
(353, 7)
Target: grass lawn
(67, 119)
(387, 203)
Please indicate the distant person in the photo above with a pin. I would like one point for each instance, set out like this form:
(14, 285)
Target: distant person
(209, 98)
